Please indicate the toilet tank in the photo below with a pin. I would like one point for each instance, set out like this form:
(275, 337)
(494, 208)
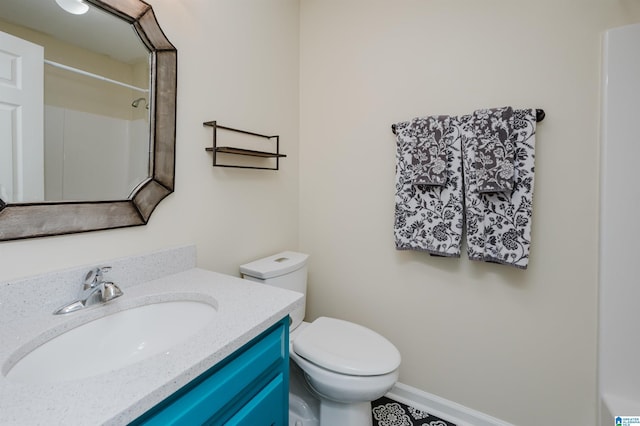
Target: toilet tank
(286, 270)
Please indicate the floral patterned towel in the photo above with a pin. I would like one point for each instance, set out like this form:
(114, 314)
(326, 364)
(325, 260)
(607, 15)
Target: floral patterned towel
(430, 152)
(499, 224)
(495, 148)
(428, 218)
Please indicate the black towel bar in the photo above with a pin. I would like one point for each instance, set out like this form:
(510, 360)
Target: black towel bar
(540, 114)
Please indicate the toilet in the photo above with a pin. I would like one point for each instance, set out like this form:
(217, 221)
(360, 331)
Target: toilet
(336, 367)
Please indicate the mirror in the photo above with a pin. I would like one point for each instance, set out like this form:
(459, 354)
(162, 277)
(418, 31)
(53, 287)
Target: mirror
(95, 95)
(104, 155)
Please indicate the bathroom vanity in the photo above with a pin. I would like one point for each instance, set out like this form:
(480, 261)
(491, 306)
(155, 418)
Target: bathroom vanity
(249, 387)
(232, 368)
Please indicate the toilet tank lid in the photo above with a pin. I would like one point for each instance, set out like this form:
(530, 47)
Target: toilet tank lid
(274, 266)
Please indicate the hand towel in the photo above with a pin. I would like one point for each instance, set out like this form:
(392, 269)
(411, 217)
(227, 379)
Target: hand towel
(499, 224)
(430, 152)
(428, 218)
(493, 164)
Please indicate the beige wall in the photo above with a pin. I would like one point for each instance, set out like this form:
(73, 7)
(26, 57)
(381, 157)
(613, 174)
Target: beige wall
(238, 64)
(518, 345)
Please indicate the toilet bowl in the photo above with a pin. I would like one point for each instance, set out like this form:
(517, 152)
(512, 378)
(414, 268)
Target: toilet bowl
(344, 366)
(344, 388)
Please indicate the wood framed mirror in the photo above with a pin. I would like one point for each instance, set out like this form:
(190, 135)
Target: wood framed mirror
(30, 219)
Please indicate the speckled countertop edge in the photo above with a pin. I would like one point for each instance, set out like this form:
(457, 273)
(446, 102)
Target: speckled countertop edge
(244, 310)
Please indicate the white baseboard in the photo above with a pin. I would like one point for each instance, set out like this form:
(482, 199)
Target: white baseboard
(440, 407)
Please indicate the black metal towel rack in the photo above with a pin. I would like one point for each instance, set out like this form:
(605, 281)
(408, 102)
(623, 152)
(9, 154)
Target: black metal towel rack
(540, 115)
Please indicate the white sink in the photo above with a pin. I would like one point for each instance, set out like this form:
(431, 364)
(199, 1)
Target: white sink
(113, 342)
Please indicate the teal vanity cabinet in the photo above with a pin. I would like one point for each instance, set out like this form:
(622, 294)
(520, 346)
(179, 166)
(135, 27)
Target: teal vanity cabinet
(250, 387)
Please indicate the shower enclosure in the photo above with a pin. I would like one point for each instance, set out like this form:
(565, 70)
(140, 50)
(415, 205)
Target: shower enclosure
(619, 336)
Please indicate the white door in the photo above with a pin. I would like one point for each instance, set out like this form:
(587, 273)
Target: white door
(21, 120)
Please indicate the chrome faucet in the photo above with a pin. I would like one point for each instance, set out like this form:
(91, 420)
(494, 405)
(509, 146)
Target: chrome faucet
(94, 289)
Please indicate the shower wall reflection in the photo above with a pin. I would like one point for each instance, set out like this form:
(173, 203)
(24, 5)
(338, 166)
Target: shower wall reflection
(81, 150)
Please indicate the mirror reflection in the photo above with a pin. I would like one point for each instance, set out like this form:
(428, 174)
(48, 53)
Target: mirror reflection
(74, 96)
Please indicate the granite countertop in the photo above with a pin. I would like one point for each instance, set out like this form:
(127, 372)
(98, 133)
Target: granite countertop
(244, 310)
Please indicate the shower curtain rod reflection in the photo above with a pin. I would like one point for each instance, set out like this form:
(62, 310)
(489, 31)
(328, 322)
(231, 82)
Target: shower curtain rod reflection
(92, 75)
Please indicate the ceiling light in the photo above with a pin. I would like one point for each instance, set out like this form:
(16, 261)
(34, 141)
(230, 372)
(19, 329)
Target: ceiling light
(77, 7)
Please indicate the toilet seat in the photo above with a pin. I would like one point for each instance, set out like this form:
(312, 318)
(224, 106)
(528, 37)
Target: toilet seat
(346, 348)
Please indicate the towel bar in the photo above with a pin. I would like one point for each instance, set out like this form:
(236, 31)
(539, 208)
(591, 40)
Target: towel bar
(540, 115)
